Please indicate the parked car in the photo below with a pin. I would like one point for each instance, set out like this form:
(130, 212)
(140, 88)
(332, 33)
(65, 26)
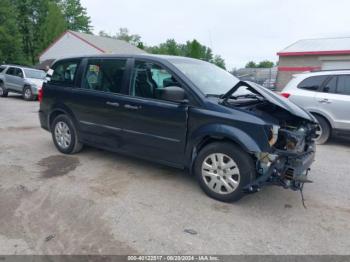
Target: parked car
(233, 136)
(21, 80)
(326, 95)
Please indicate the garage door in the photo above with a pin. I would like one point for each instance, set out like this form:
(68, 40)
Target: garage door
(333, 65)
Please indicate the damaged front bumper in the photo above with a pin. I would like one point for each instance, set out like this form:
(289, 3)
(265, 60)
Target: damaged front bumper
(282, 168)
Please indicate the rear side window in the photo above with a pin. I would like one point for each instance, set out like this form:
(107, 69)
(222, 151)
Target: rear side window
(105, 75)
(330, 86)
(11, 71)
(343, 85)
(312, 83)
(2, 68)
(64, 73)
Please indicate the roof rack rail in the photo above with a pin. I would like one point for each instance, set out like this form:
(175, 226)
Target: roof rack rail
(327, 70)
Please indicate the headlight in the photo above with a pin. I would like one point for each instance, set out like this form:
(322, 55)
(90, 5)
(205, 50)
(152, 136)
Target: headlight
(273, 135)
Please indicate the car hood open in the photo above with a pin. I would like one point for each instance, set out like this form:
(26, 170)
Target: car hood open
(273, 98)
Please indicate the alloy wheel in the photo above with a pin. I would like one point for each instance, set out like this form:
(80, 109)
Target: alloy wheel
(27, 93)
(220, 173)
(63, 135)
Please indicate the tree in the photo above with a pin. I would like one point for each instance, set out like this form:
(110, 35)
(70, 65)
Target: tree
(262, 64)
(53, 26)
(251, 64)
(10, 38)
(31, 14)
(75, 15)
(265, 64)
(219, 61)
(124, 35)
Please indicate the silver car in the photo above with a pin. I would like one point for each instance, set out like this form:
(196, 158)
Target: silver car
(325, 94)
(21, 80)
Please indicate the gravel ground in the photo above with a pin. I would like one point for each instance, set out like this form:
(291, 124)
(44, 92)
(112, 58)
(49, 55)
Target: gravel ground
(97, 202)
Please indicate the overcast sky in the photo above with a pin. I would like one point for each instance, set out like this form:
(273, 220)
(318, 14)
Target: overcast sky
(238, 30)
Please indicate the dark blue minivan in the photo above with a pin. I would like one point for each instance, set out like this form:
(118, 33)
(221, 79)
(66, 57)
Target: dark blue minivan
(234, 136)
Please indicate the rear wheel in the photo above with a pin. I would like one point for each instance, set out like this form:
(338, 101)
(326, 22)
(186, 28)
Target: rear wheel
(223, 170)
(323, 131)
(65, 136)
(3, 91)
(28, 94)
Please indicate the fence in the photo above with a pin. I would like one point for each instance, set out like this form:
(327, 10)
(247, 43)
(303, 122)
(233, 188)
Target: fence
(262, 76)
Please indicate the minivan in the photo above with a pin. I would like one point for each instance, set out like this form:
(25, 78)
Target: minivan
(233, 136)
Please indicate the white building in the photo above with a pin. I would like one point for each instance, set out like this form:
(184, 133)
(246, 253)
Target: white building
(72, 43)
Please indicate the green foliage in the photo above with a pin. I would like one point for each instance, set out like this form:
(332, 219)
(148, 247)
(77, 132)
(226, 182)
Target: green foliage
(251, 64)
(192, 49)
(219, 61)
(75, 15)
(10, 39)
(124, 35)
(262, 64)
(53, 26)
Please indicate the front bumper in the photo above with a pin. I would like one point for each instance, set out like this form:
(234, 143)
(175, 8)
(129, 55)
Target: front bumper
(283, 169)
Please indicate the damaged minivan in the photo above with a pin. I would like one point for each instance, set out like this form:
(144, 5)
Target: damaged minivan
(234, 136)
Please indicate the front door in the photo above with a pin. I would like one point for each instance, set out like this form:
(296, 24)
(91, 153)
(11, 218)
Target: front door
(154, 128)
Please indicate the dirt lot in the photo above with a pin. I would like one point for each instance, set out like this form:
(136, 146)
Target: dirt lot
(100, 202)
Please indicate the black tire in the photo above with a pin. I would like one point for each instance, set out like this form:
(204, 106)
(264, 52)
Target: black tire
(28, 94)
(74, 146)
(244, 162)
(325, 130)
(3, 91)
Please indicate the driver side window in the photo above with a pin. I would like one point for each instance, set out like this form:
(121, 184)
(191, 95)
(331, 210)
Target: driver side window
(149, 80)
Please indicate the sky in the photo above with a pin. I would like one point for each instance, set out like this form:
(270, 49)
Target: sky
(238, 30)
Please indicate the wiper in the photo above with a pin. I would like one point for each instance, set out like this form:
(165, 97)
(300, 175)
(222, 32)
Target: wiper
(254, 96)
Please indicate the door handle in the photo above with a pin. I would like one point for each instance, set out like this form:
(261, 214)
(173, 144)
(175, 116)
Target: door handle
(132, 107)
(115, 104)
(325, 101)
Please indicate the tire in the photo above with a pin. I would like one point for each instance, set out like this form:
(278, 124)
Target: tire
(28, 93)
(3, 91)
(63, 126)
(324, 132)
(205, 171)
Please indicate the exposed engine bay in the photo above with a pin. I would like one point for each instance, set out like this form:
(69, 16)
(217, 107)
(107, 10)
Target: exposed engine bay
(291, 140)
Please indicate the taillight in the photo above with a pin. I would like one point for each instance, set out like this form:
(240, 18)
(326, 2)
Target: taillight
(286, 95)
(40, 94)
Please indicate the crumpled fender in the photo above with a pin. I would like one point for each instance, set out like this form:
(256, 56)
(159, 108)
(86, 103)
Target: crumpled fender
(221, 131)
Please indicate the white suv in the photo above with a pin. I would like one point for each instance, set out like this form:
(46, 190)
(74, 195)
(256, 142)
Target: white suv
(325, 94)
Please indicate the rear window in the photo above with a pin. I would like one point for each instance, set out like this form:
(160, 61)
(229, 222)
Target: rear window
(2, 68)
(36, 74)
(343, 85)
(312, 83)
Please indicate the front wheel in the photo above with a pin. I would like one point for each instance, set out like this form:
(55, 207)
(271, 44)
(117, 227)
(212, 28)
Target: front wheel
(65, 136)
(223, 170)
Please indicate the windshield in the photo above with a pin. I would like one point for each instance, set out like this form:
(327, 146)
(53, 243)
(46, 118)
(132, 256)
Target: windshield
(36, 74)
(209, 78)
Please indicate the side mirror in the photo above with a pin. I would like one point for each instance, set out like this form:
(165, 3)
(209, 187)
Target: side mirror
(173, 93)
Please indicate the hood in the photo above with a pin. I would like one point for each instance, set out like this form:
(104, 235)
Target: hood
(37, 82)
(274, 99)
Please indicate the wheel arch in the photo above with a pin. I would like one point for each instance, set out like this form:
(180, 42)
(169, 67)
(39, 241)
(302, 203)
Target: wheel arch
(61, 110)
(325, 116)
(228, 134)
